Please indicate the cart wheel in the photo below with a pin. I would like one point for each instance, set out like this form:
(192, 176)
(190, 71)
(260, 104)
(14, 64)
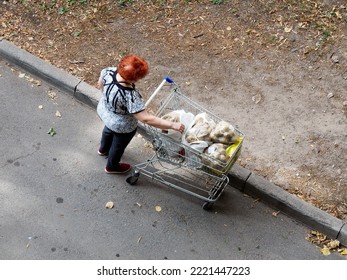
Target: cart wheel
(207, 205)
(133, 178)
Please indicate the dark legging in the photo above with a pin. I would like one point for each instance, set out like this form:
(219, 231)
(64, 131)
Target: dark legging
(114, 144)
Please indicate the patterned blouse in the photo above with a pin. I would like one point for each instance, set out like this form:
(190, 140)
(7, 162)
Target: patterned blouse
(118, 103)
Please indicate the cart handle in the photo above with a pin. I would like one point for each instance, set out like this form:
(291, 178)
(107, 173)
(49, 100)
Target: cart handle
(166, 79)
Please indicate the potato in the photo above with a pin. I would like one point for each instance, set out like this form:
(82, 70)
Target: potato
(222, 158)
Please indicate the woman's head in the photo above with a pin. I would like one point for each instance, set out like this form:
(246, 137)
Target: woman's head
(132, 68)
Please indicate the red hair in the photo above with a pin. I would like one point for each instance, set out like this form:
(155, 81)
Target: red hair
(132, 68)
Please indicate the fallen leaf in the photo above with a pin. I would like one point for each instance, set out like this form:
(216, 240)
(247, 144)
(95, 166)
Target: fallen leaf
(333, 244)
(325, 251)
(51, 131)
(257, 98)
(109, 205)
(343, 252)
(316, 237)
(21, 75)
(52, 95)
(287, 29)
(29, 79)
(157, 208)
(338, 15)
(275, 214)
(37, 82)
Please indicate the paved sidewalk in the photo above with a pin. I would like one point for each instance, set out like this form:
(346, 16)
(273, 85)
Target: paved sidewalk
(240, 178)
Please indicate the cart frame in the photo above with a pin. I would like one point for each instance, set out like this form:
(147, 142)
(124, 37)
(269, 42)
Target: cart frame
(178, 165)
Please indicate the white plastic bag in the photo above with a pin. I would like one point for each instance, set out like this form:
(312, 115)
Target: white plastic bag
(199, 146)
(178, 116)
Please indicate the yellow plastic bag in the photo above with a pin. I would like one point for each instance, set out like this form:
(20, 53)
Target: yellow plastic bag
(232, 148)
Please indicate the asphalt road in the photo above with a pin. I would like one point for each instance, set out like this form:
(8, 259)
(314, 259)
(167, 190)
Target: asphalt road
(53, 192)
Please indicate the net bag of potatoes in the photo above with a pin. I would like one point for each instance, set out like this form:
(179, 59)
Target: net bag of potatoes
(224, 133)
(200, 129)
(215, 156)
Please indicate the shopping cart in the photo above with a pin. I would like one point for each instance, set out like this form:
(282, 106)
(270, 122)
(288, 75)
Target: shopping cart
(177, 164)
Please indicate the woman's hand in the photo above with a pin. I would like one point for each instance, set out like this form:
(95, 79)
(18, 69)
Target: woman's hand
(147, 118)
(178, 127)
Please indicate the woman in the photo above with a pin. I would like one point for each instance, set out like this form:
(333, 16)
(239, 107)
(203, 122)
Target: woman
(121, 107)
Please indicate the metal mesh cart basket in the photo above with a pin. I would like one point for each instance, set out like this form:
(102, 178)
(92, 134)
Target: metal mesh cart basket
(177, 164)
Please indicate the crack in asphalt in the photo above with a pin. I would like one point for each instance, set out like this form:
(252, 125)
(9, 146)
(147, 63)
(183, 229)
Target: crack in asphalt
(12, 161)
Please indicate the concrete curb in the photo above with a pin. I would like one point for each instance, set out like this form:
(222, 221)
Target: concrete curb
(290, 204)
(240, 178)
(49, 73)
